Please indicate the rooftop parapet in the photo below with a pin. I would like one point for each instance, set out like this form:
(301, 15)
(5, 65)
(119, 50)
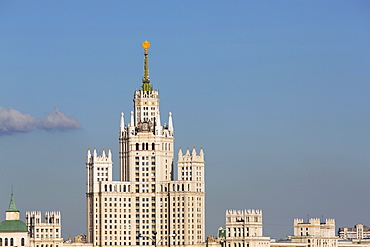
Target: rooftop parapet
(243, 212)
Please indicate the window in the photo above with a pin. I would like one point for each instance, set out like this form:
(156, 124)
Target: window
(22, 241)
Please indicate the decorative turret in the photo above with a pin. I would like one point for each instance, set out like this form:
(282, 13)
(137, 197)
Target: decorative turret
(170, 124)
(122, 122)
(158, 126)
(88, 155)
(146, 87)
(12, 213)
(12, 223)
(109, 154)
(132, 122)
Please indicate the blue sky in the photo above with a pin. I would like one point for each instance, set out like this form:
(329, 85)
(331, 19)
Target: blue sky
(276, 92)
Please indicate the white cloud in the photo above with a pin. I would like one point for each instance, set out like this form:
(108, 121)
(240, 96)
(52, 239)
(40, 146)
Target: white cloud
(58, 121)
(13, 121)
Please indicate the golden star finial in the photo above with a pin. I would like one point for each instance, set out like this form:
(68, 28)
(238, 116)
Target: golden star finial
(146, 45)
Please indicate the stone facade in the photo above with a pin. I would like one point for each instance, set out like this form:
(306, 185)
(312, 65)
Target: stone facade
(315, 233)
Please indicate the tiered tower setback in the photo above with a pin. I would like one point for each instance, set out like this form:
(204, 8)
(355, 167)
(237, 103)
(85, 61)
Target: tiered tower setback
(147, 199)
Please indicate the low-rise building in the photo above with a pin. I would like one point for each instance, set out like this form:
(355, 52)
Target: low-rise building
(315, 233)
(47, 232)
(243, 229)
(358, 232)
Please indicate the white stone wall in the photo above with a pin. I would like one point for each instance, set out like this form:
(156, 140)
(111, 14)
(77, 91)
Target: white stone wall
(14, 239)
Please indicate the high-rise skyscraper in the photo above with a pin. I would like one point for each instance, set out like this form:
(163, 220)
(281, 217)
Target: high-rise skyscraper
(147, 205)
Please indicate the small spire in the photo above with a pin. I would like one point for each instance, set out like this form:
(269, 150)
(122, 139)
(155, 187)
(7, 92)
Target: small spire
(109, 155)
(158, 125)
(132, 119)
(180, 152)
(146, 87)
(194, 152)
(122, 122)
(187, 152)
(103, 153)
(88, 155)
(170, 124)
(94, 152)
(201, 153)
(12, 207)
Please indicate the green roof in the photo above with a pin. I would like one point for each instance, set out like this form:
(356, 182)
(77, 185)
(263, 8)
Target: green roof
(12, 207)
(13, 226)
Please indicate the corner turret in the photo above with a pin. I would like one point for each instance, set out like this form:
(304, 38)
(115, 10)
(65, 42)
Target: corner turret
(12, 213)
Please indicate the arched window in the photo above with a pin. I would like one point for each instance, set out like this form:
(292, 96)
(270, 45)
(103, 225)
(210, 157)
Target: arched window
(153, 146)
(143, 146)
(146, 145)
(6, 241)
(137, 146)
(1, 242)
(22, 241)
(11, 242)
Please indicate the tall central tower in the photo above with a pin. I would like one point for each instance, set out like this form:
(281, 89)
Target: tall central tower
(144, 136)
(147, 200)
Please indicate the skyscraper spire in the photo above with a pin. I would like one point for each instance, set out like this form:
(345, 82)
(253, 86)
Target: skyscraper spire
(146, 87)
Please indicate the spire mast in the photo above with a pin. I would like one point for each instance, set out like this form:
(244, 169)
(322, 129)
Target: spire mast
(146, 80)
